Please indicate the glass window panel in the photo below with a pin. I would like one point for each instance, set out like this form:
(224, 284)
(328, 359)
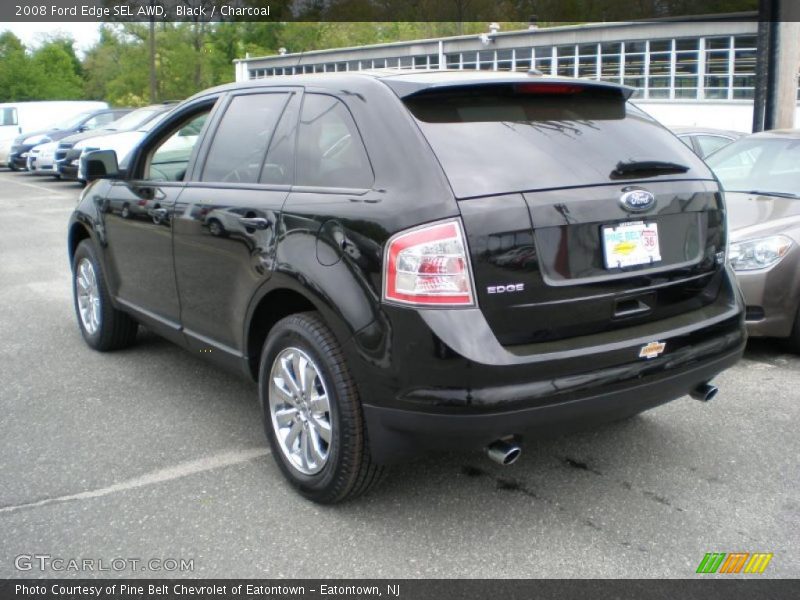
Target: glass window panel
(453, 61)
(660, 64)
(587, 49)
(634, 47)
(610, 66)
(718, 43)
(433, 61)
(504, 54)
(566, 50)
(744, 61)
(587, 66)
(745, 41)
(634, 64)
(686, 63)
(717, 62)
(659, 92)
(420, 62)
(660, 45)
(686, 93)
(543, 52)
(685, 82)
(716, 93)
(744, 81)
(715, 81)
(566, 67)
(637, 82)
(611, 48)
(687, 44)
(469, 59)
(659, 82)
(380, 63)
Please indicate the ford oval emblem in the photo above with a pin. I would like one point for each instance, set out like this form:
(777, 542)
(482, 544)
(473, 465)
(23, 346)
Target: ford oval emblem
(637, 200)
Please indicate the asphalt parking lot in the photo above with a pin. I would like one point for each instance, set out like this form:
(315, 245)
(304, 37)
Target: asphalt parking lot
(153, 453)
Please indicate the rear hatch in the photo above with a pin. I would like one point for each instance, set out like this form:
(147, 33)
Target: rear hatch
(582, 213)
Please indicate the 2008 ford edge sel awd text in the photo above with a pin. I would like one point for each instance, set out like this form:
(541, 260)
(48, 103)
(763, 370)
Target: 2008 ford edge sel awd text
(411, 261)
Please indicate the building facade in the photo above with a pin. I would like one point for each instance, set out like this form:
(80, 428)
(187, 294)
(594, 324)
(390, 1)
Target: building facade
(684, 73)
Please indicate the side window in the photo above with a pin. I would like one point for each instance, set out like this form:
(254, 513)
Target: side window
(330, 152)
(710, 143)
(8, 116)
(169, 159)
(278, 168)
(241, 140)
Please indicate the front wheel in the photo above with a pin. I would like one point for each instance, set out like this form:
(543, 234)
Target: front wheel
(312, 413)
(103, 327)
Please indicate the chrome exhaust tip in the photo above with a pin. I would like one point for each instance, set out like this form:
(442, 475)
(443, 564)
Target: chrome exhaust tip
(504, 452)
(704, 392)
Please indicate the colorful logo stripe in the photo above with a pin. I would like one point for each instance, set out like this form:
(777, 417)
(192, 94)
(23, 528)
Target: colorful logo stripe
(734, 562)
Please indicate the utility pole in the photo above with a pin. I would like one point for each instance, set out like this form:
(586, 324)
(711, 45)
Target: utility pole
(778, 62)
(152, 41)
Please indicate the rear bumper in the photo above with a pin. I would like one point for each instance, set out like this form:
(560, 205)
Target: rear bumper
(440, 380)
(396, 434)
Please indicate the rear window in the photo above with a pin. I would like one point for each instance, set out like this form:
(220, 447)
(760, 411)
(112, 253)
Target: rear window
(510, 138)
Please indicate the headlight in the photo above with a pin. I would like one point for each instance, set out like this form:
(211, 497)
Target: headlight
(37, 139)
(760, 253)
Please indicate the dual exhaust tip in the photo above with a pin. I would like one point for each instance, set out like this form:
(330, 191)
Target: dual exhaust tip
(506, 451)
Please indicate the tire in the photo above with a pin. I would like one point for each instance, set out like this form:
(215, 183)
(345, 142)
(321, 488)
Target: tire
(341, 468)
(104, 328)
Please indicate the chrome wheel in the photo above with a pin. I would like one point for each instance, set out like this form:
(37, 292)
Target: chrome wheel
(300, 410)
(88, 296)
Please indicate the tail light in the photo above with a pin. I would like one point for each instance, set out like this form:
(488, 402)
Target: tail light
(428, 266)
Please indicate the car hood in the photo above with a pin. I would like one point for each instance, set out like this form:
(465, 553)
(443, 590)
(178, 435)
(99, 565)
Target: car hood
(53, 134)
(750, 215)
(85, 135)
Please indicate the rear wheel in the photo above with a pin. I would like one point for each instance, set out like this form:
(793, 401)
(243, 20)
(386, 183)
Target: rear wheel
(312, 413)
(103, 327)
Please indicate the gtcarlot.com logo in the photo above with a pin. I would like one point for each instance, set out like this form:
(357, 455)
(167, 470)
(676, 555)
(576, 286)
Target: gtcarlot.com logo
(46, 562)
(730, 563)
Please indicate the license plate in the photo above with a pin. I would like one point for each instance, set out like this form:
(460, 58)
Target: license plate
(629, 244)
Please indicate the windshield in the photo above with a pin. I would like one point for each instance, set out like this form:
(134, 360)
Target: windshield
(497, 139)
(766, 165)
(73, 121)
(133, 119)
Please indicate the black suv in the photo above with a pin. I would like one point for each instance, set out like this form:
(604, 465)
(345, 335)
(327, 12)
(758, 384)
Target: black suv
(415, 261)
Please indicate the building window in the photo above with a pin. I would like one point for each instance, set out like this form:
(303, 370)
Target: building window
(505, 60)
(744, 67)
(565, 66)
(469, 60)
(635, 67)
(587, 61)
(453, 61)
(544, 59)
(522, 59)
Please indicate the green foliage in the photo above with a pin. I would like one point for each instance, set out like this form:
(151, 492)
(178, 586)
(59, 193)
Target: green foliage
(52, 72)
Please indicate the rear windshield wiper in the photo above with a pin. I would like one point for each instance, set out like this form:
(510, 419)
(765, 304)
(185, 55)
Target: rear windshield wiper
(763, 193)
(646, 168)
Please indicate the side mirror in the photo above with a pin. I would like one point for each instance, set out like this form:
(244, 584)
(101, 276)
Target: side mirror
(100, 164)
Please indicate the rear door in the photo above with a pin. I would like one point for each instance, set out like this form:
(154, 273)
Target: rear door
(582, 213)
(227, 218)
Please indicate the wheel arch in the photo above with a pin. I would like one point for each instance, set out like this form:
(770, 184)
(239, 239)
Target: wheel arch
(78, 232)
(279, 301)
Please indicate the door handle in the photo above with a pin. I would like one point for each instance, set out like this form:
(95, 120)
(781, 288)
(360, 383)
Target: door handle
(255, 223)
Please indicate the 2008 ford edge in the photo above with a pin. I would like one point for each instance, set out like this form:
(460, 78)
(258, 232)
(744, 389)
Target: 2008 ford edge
(412, 261)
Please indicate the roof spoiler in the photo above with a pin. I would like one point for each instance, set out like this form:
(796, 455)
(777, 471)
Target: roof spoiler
(407, 87)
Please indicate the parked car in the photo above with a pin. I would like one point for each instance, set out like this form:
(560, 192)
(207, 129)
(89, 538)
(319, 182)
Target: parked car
(121, 142)
(761, 177)
(70, 148)
(361, 291)
(17, 118)
(42, 159)
(704, 140)
(85, 121)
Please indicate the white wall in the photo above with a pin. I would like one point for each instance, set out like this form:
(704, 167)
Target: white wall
(736, 116)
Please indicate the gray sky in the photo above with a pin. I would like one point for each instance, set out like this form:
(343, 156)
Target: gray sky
(85, 34)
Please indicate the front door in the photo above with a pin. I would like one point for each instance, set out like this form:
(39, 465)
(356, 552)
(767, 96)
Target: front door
(139, 219)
